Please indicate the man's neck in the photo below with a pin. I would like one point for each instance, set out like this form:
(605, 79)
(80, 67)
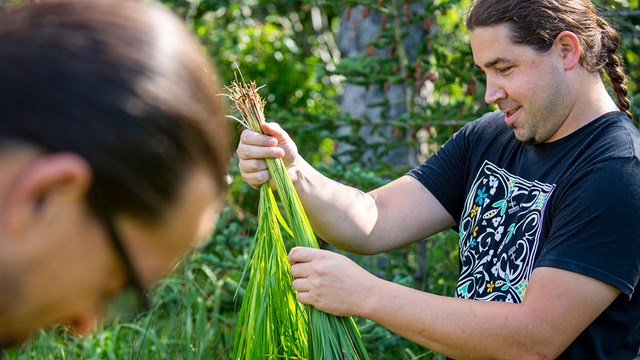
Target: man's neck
(591, 101)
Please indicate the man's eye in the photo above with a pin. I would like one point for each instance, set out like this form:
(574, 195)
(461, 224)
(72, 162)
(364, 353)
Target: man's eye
(505, 70)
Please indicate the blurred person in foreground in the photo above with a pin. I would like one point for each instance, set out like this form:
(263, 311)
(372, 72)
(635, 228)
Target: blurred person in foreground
(544, 193)
(113, 155)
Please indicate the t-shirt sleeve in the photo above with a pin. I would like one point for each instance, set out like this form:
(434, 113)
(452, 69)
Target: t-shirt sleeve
(596, 226)
(443, 174)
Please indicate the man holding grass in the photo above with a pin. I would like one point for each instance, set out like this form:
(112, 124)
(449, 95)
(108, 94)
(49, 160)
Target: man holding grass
(545, 195)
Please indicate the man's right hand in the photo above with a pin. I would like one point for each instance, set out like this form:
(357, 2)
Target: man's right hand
(255, 147)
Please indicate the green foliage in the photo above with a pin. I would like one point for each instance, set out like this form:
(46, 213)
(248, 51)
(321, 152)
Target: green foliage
(261, 39)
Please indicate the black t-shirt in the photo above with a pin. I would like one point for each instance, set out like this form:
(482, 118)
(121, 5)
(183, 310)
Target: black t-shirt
(572, 204)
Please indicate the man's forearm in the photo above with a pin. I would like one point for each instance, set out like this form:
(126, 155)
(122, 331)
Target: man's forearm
(459, 328)
(342, 215)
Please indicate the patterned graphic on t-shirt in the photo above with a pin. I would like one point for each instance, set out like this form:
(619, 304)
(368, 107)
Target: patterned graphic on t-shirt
(499, 235)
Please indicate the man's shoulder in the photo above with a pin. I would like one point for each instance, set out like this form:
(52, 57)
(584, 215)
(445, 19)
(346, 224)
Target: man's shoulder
(489, 132)
(615, 134)
(489, 126)
(491, 119)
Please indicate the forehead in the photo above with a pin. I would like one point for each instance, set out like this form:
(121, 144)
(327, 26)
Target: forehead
(492, 45)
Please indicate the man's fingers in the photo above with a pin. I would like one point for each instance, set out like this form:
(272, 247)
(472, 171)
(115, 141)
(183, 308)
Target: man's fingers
(256, 179)
(247, 152)
(254, 145)
(251, 137)
(300, 254)
(252, 150)
(252, 165)
(300, 285)
(275, 130)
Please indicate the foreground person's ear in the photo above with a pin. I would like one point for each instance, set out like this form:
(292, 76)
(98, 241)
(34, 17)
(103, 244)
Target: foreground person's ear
(42, 187)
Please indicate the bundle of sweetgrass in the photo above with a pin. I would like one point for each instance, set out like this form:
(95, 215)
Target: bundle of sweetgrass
(272, 323)
(328, 337)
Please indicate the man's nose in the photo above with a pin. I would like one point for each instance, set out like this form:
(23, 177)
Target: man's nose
(494, 92)
(86, 322)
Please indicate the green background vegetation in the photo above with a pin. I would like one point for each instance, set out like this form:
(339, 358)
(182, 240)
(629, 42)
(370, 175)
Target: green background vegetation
(281, 45)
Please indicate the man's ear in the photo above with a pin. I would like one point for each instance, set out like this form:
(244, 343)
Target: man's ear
(47, 181)
(568, 45)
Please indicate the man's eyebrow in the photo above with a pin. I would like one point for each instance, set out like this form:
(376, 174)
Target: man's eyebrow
(496, 61)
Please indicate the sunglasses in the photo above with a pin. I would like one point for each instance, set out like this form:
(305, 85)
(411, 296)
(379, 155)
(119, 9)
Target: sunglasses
(133, 298)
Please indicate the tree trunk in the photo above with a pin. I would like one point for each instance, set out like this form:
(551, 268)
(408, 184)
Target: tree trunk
(358, 27)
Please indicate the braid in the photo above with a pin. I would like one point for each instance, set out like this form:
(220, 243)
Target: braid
(613, 66)
(619, 83)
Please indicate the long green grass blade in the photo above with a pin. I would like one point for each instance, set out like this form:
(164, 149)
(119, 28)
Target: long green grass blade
(272, 324)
